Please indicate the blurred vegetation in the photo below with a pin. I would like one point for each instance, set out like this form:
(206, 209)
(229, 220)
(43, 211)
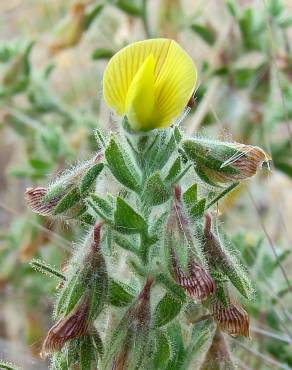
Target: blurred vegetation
(52, 55)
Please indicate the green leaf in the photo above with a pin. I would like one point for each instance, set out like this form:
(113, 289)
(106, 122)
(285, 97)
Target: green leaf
(166, 310)
(102, 53)
(155, 192)
(99, 289)
(76, 288)
(202, 335)
(220, 293)
(172, 287)
(198, 209)
(177, 133)
(107, 240)
(162, 351)
(91, 15)
(230, 264)
(90, 176)
(59, 361)
(101, 207)
(231, 7)
(157, 226)
(157, 158)
(285, 22)
(127, 220)
(68, 201)
(190, 196)
(87, 219)
(86, 353)
(243, 77)
(121, 165)
(8, 366)
(207, 34)
(195, 207)
(176, 338)
(174, 170)
(130, 7)
(46, 268)
(100, 140)
(118, 295)
(125, 243)
(39, 164)
(275, 7)
(97, 343)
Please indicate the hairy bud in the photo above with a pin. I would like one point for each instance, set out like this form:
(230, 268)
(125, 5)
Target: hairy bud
(232, 319)
(219, 163)
(220, 259)
(128, 347)
(64, 196)
(72, 326)
(35, 200)
(192, 276)
(82, 298)
(197, 283)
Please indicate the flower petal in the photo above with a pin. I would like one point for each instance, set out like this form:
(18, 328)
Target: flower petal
(174, 85)
(140, 97)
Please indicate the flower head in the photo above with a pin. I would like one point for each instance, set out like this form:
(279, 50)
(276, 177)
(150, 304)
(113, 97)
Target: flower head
(219, 163)
(150, 82)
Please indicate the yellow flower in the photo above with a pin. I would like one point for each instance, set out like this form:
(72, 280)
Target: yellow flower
(150, 82)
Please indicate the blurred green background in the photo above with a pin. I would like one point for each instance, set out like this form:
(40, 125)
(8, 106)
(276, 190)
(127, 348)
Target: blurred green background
(52, 56)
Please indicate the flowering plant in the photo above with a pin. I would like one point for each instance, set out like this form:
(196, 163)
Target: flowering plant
(157, 281)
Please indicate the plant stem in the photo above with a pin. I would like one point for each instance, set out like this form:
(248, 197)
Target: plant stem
(222, 194)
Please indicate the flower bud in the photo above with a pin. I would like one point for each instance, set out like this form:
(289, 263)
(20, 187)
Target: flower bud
(128, 348)
(64, 195)
(35, 200)
(217, 250)
(219, 163)
(197, 283)
(231, 318)
(72, 326)
(186, 267)
(83, 296)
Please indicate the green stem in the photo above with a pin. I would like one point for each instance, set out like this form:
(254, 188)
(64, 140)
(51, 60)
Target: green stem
(222, 194)
(181, 175)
